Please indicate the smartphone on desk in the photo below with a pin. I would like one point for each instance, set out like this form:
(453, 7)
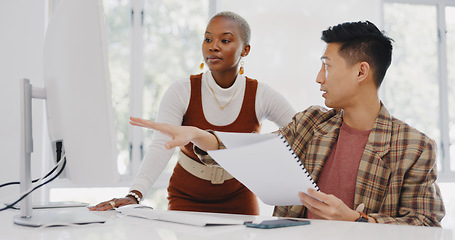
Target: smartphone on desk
(277, 223)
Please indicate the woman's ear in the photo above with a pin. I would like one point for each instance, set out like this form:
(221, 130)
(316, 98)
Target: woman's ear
(246, 50)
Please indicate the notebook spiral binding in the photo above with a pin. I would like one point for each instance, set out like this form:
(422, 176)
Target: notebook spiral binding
(299, 162)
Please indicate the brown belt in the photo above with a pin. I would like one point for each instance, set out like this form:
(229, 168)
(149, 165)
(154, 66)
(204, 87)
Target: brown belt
(215, 174)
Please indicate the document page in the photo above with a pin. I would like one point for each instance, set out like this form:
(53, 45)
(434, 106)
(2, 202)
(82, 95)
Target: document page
(266, 165)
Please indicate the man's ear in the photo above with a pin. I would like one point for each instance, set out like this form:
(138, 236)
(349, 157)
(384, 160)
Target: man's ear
(246, 50)
(364, 71)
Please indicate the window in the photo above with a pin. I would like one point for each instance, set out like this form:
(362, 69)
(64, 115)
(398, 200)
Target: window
(450, 39)
(117, 17)
(419, 86)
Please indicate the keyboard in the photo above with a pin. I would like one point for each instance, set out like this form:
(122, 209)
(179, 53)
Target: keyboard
(182, 217)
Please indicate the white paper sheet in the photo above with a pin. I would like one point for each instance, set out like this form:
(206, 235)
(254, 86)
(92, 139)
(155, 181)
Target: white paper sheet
(265, 164)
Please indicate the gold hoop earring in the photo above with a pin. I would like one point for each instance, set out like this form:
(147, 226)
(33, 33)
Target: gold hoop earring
(241, 70)
(201, 66)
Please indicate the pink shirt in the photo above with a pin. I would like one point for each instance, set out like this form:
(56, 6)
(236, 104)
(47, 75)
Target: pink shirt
(338, 177)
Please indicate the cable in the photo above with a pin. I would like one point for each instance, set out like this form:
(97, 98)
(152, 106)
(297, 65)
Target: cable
(59, 146)
(61, 162)
(40, 185)
(33, 181)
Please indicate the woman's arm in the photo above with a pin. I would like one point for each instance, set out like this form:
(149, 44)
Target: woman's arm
(180, 135)
(172, 108)
(271, 105)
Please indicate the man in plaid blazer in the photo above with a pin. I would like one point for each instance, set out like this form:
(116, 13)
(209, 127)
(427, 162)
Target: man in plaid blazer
(393, 172)
(370, 166)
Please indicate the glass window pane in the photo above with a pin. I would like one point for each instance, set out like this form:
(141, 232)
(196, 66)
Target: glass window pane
(174, 31)
(450, 24)
(117, 16)
(411, 87)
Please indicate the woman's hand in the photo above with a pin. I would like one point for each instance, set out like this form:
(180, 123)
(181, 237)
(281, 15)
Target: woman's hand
(181, 135)
(113, 203)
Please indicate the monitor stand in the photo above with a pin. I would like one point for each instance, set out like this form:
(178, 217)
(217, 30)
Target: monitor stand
(41, 217)
(59, 217)
(60, 204)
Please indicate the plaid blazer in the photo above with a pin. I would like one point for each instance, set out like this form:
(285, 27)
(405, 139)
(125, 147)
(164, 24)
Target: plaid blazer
(397, 172)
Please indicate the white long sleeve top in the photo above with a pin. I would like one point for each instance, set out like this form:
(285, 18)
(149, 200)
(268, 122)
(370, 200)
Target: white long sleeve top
(269, 105)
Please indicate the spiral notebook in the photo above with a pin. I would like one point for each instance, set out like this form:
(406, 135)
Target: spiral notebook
(265, 164)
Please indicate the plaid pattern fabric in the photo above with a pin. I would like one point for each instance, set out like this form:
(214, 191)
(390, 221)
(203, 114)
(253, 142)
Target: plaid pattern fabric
(397, 172)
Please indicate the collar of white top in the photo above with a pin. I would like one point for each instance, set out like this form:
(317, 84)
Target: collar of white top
(224, 94)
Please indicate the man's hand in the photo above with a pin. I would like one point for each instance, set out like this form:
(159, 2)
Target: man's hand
(330, 207)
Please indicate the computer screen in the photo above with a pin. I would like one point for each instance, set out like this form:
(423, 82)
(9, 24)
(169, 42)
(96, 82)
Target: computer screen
(78, 91)
(79, 108)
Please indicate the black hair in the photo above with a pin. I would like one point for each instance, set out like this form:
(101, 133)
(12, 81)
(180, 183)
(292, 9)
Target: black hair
(362, 41)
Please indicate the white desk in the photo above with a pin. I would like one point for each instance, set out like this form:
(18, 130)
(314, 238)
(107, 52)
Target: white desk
(119, 227)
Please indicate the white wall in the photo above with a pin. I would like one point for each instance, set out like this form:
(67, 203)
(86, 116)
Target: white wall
(22, 33)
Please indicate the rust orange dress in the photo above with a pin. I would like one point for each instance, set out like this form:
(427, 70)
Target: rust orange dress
(190, 193)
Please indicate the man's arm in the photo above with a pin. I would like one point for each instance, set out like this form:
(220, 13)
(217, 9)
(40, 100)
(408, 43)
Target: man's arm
(181, 135)
(420, 201)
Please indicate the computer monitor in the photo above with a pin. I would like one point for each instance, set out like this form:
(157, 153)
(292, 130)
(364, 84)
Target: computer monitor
(78, 91)
(79, 105)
